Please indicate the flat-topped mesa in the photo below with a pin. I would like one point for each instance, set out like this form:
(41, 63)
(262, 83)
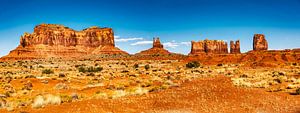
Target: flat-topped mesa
(259, 42)
(51, 40)
(157, 48)
(235, 47)
(54, 35)
(209, 46)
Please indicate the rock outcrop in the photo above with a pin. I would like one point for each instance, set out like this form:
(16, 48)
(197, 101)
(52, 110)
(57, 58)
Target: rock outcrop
(259, 42)
(51, 40)
(235, 47)
(157, 49)
(209, 46)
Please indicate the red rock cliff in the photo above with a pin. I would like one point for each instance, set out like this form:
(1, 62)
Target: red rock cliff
(51, 40)
(209, 46)
(259, 42)
(235, 47)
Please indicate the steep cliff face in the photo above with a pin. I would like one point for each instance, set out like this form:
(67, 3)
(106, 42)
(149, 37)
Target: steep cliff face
(209, 46)
(157, 48)
(235, 47)
(51, 40)
(259, 42)
(54, 35)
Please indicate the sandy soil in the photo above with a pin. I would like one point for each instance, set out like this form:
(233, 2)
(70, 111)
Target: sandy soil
(202, 95)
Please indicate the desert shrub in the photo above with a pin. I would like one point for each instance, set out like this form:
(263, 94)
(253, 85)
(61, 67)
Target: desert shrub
(47, 71)
(219, 65)
(136, 66)
(147, 66)
(298, 91)
(193, 64)
(52, 99)
(90, 69)
(38, 102)
(61, 75)
(90, 74)
(65, 98)
(124, 71)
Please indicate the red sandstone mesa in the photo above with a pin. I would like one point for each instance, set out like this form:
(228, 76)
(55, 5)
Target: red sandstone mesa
(157, 48)
(51, 40)
(235, 47)
(259, 42)
(209, 46)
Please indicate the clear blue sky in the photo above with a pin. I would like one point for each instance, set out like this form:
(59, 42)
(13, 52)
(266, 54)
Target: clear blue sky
(176, 22)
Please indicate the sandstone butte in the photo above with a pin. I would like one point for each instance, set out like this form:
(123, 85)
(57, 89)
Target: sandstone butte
(235, 47)
(259, 56)
(209, 46)
(157, 49)
(220, 47)
(51, 40)
(259, 42)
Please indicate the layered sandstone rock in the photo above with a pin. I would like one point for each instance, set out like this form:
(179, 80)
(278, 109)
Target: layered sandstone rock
(259, 42)
(209, 46)
(50, 40)
(235, 47)
(157, 48)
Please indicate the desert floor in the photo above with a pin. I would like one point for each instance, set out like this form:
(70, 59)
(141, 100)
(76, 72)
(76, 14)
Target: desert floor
(146, 86)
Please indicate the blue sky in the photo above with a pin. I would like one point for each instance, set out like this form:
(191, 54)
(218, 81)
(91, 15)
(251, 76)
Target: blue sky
(176, 22)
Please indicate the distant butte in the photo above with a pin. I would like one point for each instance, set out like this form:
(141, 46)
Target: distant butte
(209, 46)
(51, 40)
(157, 48)
(235, 47)
(259, 42)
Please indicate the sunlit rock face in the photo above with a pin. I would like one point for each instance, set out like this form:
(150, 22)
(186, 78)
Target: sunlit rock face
(209, 46)
(259, 42)
(235, 47)
(51, 40)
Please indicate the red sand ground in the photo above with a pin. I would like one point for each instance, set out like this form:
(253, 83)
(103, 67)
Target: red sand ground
(204, 95)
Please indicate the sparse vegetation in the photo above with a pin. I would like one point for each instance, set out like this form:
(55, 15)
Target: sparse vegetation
(136, 66)
(47, 71)
(193, 64)
(61, 75)
(89, 69)
(129, 78)
(147, 66)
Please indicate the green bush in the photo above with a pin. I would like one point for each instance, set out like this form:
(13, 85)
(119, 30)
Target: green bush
(193, 64)
(89, 69)
(147, 66)
(47, 71)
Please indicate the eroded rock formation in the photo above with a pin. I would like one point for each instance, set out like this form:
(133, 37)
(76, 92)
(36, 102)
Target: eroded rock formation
(209, 46)
(51, 40)
(259, 42)
(157, 48)
(235, 47)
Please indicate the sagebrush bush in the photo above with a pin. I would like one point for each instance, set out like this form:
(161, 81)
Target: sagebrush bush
(47, 71)
(136, 66)
(147, 66)
(90, 69)
(193, 64)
